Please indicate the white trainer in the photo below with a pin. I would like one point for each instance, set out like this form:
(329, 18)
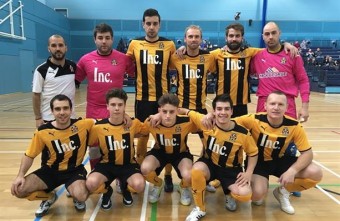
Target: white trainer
(45, 205)
(230, 203)
(282, 195)
(155, 193)
(185, 196)
(195, 214)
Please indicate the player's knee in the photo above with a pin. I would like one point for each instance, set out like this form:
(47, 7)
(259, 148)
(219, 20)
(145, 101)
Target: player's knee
(138, 185)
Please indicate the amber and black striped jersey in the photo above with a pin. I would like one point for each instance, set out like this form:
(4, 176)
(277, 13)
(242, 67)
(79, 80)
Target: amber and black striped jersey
(192, 78)
(152, 60)
(225, 148)
(172, 140)
(273, 142)
(116, 141)
(61, 149)
(233, 73)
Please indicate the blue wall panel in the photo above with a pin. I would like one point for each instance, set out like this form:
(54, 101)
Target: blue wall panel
(125, 17)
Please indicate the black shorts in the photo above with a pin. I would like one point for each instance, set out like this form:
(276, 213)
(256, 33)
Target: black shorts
(274, 167)
(143, 109)
(53, 178)
(172, 159)
(226, 175)
(122, 172)
(239, 110)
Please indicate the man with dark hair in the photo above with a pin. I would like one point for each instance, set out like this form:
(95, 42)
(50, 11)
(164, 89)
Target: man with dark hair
(116, 143)
(62, 144)
(55, 76)
(151, 54)
(170, 148)
(104, 69)
(222, 159)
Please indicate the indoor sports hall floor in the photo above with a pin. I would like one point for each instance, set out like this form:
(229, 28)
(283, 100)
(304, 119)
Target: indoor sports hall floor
(318, 204)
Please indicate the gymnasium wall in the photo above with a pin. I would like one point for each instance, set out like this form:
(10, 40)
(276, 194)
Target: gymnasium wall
(298, 19)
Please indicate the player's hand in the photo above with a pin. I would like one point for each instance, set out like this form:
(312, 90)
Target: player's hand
(155, 120)
(243, 179)
(287, 177)
(16, 185)
(291, 49)
(127, 120)
(208, 121)
(180, 52)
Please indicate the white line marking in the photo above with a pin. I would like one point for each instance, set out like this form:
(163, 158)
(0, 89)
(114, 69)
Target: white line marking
(327, 194)
(96, 210)
(145, 202)
(329, 170)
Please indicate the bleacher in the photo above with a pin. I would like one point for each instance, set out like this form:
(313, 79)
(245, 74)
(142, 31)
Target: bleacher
(323, 79)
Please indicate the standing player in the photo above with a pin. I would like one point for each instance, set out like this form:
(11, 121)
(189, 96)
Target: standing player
(278, 71)
(104, 69)
(151, 54)
(192, 70)
(62, 144)
(116, 143)
(55, 76)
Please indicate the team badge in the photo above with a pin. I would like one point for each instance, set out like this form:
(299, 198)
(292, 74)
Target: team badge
(233, 137)
(178, 129)
(202, 60)
(126, 129)
(74, 129)
(161, 45)
(283, 60)
(285, 131)
(71, 69)
(114, 62)
(242, 54)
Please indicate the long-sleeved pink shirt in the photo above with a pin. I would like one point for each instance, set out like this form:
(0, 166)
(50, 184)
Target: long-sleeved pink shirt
(103, 73)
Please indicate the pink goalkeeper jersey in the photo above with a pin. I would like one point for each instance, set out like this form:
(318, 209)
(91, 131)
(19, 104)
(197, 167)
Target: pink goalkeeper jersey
(103, 73)
(278, 71)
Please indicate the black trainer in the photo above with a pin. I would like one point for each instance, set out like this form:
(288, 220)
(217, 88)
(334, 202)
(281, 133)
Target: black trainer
(168, 186)
(127, 198)
(106, 199)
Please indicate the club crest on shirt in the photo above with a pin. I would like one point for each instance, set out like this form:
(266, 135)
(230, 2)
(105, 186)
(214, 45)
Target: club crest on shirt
(202, 59)
(283, 60)
(161, 45)
(71, 69)
(233, 137)
(178, 129)
(74, 129)
(114, 62)
(285, 131)
(126, 129)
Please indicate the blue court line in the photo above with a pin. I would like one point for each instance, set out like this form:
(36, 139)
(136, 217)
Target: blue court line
(62, 189)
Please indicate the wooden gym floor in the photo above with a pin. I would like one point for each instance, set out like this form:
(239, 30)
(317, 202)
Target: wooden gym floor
(317, 204)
